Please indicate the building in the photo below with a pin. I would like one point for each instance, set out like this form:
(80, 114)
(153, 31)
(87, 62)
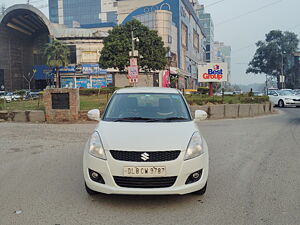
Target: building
(208, 28)
(24, 31)
(74, 13)
(179, 26)
(222, 53)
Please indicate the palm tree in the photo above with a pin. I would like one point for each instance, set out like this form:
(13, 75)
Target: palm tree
(57, 55)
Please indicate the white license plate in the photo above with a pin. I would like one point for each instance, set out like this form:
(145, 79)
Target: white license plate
(145, 171)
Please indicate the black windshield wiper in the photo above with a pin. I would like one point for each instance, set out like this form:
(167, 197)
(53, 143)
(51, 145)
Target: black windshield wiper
(125, 119)
(171, 119)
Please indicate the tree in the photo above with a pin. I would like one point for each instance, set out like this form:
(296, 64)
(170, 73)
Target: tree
(57, 56)
(118, 44)
(271, 56)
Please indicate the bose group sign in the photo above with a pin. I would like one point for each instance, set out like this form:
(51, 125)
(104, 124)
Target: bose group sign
(213, 72)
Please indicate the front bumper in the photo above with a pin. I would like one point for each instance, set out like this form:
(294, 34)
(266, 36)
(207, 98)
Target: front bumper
(292, 102)
(179, 168)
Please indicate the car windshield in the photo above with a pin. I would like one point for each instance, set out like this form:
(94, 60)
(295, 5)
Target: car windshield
(285, 92)
(150, 107)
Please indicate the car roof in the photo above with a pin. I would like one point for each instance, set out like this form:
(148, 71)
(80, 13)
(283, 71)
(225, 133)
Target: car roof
(148, 90)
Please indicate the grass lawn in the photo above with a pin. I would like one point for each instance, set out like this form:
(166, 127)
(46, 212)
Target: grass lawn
(22, 105)
(93, 102)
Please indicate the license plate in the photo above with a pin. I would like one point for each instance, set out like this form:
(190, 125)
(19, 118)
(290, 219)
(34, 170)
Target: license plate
(145, 171)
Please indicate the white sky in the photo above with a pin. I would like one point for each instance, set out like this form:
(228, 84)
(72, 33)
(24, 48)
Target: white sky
(238, 23)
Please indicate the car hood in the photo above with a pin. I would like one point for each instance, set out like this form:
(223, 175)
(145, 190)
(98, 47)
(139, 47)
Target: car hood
(140, 136)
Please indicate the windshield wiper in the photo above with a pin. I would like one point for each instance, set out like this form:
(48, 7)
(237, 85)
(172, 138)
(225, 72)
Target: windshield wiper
(171, 119)
(125, 119)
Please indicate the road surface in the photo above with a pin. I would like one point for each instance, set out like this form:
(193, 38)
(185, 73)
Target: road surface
(254, 177)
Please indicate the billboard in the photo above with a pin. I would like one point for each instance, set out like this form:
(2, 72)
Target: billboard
(213, 72)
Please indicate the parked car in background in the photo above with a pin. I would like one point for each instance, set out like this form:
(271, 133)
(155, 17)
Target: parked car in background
(31, 95)
(6, 97)
(283, 98)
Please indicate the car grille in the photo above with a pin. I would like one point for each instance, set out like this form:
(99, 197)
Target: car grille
(296, 100)
(131, 156)
(137, 182)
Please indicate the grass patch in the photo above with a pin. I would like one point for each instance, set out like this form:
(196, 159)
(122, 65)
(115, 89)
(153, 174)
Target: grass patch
(23, 105)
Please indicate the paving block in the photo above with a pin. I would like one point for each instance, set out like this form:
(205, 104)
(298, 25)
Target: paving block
(36, 116)
(4, 115)
(254, 110)
(231, 111)
(244, 110)
(19, 116)
(216, 111)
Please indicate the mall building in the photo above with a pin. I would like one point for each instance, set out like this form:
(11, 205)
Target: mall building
(24, 31)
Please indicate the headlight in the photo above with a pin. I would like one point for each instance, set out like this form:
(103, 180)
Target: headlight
(195, 147)
(95, 146)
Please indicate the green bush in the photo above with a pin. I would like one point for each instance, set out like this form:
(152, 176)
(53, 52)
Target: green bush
(237, 99)
(96, 91)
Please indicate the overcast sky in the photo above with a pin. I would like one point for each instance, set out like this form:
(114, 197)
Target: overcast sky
(238, 23)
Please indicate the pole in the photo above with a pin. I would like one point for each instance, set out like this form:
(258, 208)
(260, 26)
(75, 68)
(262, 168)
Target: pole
(211, 92)
(282, 70)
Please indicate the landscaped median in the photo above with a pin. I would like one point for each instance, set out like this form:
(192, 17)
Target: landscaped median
(217, 107)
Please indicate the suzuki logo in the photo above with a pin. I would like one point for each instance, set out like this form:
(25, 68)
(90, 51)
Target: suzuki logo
(145, 156)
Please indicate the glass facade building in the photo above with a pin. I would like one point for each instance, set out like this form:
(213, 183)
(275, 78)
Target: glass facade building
(74, 12)
(208, 28)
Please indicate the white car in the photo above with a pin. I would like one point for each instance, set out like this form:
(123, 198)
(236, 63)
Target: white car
(5, 97)
(146, 144)
(283, 98)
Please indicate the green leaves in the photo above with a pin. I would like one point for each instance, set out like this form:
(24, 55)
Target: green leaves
(115, 53)
(272, 53)
(57, 54)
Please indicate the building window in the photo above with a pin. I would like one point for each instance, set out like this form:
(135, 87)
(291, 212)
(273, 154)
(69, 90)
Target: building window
(196, 40)
(169, 39)
(184, 36)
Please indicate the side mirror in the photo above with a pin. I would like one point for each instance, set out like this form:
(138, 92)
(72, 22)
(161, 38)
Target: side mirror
(200, 115)
(275, 94)
(94, 114)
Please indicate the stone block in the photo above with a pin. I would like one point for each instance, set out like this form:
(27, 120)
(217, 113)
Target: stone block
(20, 116)
(4, 115)
(216, 111)
(244, 110)
(261, 109)
(231, 111)
(36, 116)
(254, 110)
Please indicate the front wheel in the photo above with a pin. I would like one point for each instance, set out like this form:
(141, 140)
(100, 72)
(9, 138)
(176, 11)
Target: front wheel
(281, 104)
(201, 191)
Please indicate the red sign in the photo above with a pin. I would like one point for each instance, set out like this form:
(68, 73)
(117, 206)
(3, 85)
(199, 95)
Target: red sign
(133, 72)
(133, 61)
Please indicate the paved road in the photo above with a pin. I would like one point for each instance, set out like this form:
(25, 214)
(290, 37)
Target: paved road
(254, 177)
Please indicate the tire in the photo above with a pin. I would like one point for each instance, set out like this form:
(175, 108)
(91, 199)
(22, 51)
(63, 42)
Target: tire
(201, 191)
(281, 104)
(90, 191)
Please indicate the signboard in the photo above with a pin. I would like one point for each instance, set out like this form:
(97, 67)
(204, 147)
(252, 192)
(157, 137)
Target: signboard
(99, 82)
(67, 82)
(213, 72)
(92, 69)
(82, 83)
(133, 72)
(60, 101)
(133, 61)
